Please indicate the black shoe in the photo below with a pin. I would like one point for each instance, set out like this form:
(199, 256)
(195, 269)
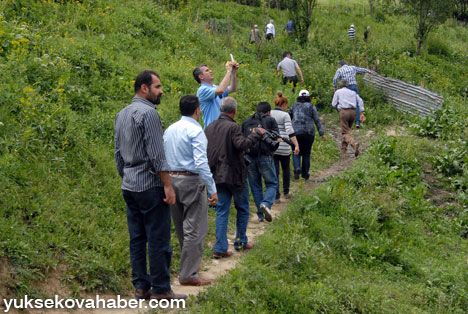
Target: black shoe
(297, 174)
(358, 125)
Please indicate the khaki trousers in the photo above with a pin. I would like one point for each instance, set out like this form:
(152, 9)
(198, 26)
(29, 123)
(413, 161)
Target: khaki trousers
(190, 217)
(347, 117)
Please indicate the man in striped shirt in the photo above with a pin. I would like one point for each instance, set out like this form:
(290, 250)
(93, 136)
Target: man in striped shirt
(351, 32)
(348, 73)
(146, 188)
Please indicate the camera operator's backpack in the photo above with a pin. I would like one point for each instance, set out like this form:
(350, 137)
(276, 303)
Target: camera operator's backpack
(257, 120)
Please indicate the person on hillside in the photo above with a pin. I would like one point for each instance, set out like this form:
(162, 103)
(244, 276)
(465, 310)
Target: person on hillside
(351, 32)
(289, 67)
(226, 147)
(146, 188)
(304, 117)
(366, 33)
(290, 27)
(270, 30)
(345, 101)
(348, 73)
(260, 159)
(185, 145)
(209, 94)
(283, 153)
(255, 35)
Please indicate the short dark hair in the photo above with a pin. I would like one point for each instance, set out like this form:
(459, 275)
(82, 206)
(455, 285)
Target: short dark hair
(263, 107)
(303, 99)
(286, 53)
(144, 78)
(198, 70)
(188, 104)
(342, 62)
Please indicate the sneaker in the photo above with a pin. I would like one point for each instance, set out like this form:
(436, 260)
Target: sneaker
(297, 174)
(356, 151)
(266, 211)
(358, 125)
(261, 219)
(287, 196)
(277, 201)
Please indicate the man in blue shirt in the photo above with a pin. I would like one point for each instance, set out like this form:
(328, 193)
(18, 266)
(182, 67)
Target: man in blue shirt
(209, 94)
(185, 146)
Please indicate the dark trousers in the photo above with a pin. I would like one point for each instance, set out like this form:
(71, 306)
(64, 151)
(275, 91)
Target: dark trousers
(284, 161)
(292, 79)
(355, 89)
(305, 142)
(149, 224)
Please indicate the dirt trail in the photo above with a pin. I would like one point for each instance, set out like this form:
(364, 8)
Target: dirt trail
(214, 269)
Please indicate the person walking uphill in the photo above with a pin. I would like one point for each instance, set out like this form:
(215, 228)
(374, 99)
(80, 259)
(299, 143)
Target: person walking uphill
(289, 67)
(304, 115)
(146, 188)
(209, 94)
(283, 153)
(185, 145)
(226, 147)
(348, 73)
(270, 31)
(260, 159)
(345, 101)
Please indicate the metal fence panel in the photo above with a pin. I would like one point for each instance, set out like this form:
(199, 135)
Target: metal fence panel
(407, 97)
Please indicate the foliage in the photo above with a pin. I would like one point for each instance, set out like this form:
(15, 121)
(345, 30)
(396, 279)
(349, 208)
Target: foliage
(301, 13)
(427, 14)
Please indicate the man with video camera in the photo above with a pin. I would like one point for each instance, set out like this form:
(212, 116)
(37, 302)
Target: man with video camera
(260, 159)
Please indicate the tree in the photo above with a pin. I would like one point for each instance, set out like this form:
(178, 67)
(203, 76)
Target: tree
(428, 14)
(461, 10)
(371, 7)
(301, 14)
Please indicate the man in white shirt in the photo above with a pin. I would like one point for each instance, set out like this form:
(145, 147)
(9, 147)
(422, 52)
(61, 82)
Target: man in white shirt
(289, 67)
(346, 101)
(185, 146)
(270, 30)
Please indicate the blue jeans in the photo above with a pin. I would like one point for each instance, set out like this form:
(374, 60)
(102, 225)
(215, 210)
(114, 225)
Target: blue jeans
(354, 88)
(262, 167)
(241, 202)
(149, 223)
(305, 142)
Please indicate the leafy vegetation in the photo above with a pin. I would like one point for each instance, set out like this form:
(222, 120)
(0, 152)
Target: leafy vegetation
(66, 69)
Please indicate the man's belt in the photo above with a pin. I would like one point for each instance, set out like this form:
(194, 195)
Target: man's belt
(183, 173)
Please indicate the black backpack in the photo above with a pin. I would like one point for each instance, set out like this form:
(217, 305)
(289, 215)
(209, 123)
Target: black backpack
(257, 120)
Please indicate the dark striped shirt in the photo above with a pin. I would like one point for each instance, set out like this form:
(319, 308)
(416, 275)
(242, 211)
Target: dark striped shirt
(139, 149)
(348, 72)
(351, 33)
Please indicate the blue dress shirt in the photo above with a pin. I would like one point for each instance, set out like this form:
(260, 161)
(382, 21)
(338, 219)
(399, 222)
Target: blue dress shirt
(185, 147)
(209, 102)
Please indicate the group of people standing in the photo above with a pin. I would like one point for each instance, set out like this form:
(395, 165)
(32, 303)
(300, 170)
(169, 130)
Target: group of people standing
(178, 172)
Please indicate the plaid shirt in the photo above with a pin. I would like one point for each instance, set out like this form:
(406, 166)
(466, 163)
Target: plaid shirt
(348, 72)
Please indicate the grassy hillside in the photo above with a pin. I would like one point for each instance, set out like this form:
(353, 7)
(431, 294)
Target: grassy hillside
(66, 69)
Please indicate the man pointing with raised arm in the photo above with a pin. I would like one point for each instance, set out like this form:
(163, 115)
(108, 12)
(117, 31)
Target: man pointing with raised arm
(209, 94)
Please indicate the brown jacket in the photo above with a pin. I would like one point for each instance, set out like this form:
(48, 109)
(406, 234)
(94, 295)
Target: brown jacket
(226, 146)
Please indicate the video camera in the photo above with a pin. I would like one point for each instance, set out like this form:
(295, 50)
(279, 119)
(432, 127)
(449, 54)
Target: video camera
(271, 139)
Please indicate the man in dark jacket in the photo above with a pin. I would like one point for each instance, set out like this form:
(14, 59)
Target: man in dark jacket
(226, 146)
(261, 163)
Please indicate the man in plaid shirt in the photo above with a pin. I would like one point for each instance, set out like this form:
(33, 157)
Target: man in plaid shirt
(348, 73)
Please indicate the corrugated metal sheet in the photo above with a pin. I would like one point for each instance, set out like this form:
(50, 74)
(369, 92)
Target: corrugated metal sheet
(405, 96)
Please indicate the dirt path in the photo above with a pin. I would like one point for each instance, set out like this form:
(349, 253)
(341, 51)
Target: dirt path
(214, 269)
